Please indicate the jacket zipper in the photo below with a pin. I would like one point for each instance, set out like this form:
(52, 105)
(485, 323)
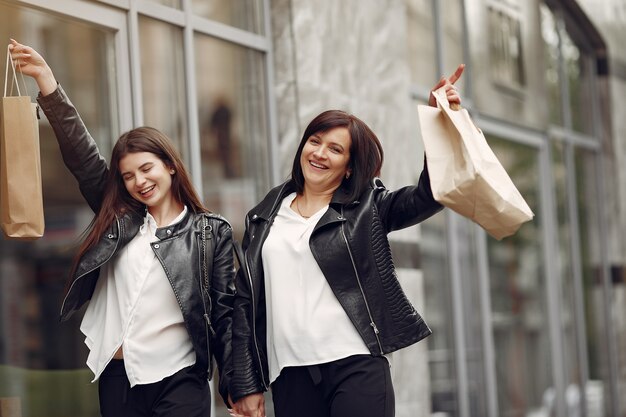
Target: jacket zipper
(358, 280)
(119, 228)
(245, 258)
(256, 344)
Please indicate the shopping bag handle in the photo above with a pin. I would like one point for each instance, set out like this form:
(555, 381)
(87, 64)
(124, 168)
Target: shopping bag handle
(441, 97)
(14, 78)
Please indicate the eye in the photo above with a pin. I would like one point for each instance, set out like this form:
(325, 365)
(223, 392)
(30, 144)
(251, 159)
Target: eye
(128, 177)
(314, 140)
(335, 149)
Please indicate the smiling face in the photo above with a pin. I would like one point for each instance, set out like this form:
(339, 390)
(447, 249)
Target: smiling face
(325, 158)
(147, 178)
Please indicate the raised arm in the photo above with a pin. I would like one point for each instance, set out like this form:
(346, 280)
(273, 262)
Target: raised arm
(30, 63)
(79, 150)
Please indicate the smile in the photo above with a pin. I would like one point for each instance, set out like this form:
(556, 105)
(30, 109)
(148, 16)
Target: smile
(147, 190)
(316, 165)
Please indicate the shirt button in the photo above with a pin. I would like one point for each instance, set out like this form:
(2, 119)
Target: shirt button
(339, 217)
(169, 232)
(254, 217)
(110, 235)
(156, 246)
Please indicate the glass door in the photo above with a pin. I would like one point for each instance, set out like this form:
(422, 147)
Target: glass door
(42, 362)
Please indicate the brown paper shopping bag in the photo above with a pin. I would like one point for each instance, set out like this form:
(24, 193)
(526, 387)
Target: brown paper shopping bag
(21, 200)
(465, 174)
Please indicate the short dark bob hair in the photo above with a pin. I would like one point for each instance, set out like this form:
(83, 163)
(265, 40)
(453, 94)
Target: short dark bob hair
(366, 152)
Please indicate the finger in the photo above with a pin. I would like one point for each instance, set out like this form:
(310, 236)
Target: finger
(457, 74)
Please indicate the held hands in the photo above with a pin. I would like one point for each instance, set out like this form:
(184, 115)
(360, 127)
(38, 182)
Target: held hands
(252, 405)
(29, 62)
(451, 91)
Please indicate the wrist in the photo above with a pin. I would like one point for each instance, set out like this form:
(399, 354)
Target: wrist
(46, 82)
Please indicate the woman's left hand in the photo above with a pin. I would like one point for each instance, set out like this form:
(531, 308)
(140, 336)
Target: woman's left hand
(451, 91)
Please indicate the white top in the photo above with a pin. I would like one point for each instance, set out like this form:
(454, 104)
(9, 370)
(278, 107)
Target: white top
(306, 325)
(134, 305)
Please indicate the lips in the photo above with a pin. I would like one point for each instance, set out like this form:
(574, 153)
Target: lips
(146, 191)
(317, 165)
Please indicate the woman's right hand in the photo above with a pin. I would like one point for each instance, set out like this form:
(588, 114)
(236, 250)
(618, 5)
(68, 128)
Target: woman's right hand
(30, 62)
(252, 405)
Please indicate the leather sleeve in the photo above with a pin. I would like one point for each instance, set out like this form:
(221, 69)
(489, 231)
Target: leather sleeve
(246, 379)
(222, 292)
(409, 205)
(79, 150)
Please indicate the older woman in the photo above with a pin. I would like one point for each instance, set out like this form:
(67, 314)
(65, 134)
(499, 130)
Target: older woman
(318, 303)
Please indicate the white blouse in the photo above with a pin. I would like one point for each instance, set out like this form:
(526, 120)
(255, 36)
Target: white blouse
(306, 324)
(134, 306)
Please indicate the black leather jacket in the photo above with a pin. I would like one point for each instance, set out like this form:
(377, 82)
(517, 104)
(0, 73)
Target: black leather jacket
(351, 247)
(178, 249)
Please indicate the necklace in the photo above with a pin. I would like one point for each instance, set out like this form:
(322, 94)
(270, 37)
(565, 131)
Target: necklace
(298, 209)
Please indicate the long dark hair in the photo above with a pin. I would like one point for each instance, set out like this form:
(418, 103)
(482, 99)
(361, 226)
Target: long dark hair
(117, 200)
(366, 152)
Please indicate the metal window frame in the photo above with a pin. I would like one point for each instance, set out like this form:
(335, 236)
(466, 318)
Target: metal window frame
(541, 140)
(122, 18)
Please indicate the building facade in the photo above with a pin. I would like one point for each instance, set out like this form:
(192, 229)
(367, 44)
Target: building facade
(533, 325)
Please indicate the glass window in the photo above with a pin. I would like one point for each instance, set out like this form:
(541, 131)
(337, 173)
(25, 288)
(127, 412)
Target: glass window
(577, 70)
(570, 327)
(518, 295)
(233, 130)
(42, 362)
(505, 48)
(163, 80)
(589, 211)
(551, 57)
(242, 14)
(438, 314)
(422, 55)
(170, 3)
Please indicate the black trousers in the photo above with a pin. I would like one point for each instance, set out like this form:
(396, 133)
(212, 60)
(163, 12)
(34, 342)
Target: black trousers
(184, 394)
(358, 385)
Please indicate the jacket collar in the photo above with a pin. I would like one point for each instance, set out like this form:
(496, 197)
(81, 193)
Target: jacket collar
(131, 222)
(270, 204)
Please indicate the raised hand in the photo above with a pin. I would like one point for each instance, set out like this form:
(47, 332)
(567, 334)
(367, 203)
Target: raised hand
(451, 91)
(29, 62)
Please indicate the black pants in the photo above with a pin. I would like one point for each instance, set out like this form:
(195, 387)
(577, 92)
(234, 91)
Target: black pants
(184, 394)
(359, 385)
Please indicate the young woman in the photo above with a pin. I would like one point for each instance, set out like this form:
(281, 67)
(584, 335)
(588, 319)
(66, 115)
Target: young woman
(155, 266)
(318, 303)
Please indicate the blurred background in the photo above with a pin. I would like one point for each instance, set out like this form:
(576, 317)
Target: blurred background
(530, 326)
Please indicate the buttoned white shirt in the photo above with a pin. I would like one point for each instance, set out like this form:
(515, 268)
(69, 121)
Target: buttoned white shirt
(134, 307)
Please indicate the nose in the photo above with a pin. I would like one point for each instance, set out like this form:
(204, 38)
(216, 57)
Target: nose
(320, 152)
(139, 180)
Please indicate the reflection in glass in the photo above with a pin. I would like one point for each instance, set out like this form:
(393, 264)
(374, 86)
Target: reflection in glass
(551, 59)
(520, 333)
(596, 390)
(505, 48)
(242, 14)
(564, 263)
(42, 362)
(233, 130)
(438, 315)
(577, 69)
(163, 80)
